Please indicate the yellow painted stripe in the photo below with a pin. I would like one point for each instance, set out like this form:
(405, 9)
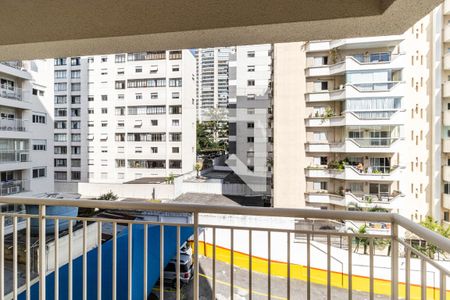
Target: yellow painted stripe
(318, 276)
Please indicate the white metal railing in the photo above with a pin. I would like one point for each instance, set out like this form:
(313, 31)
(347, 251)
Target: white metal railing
(11, 187)
(209, 230)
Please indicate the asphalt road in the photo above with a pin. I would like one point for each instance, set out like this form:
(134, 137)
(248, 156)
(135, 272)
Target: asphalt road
(259, 286)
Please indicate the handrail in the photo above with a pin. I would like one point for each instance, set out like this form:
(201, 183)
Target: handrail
(417, 229)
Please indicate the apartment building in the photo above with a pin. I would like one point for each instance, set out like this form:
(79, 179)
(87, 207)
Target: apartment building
(355, 123)
(250, 104)
(213, 80)
(26, 120)
(131, 116)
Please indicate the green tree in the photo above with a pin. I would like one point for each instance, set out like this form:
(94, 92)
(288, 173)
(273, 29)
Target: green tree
(431, 224)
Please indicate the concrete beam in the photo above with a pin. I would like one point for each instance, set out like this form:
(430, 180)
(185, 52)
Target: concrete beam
(48, 28)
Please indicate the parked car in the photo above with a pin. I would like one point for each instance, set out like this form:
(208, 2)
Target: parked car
(186, 270)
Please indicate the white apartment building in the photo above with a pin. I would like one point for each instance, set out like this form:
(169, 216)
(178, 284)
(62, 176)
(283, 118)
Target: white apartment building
(250, 103)
(213, 80)
(131, 116)
(354, 123)
(26, 120)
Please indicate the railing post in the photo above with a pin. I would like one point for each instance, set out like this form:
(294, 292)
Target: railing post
(42, 245)
(196, 267)
(394, 261)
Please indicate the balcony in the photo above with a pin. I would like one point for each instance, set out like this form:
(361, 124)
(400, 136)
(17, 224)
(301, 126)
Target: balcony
(112, 255)
(350, 63)
(446, 201)
(352, 174)
(446, 89)
(363, 145)
(446, 173)
(446, 118)
(446, 145)
(360, 118)
(325, 198)
(446, 33)
(12, 125)
(12, 187)
(381, 89)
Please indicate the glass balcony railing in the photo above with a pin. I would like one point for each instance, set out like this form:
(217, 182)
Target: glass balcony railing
(11, 187)
(11, 92)
(375, 86)
(12, 125)
(374, 142)
(9, 156)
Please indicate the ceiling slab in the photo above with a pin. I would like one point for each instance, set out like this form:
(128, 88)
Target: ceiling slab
(48, 28)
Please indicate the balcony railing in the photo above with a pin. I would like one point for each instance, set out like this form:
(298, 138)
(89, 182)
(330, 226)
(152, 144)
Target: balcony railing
(12, 187)
(11, 92)
(12, 125)
(9, 156)
(374, 142)
(256, 246)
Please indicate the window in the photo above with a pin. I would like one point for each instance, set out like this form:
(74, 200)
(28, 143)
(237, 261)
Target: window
(90, 111)
(76, 99)
(251, 97)
(250, 139)
(176, 54)
(120, 149)
(75, 137)
(90, 149)
(120, 71)
(175, 122)
(60, 99)
(175, 68)
(90, 60)
(138, 69)
(175, 149)
(104, 97)
(75, 175)
(75, 150)
(75, 74)
(60, 149)
(153, 69)
(39, 118)
(60, 175)
(60, 87)
(104, 110)
(90, 162)
(175, 95)
(120, 58)
(120, 97)
(104, 149)
(174, 164)
(75, 61)
(60, 124)
(60, 137)
(60, 162)
(320, 185)
(60, 74)
(154, 95)
(142, 83)
(154, 122)
(39, 145)
(75, 112)
(104, 162)
(104, 123)
(251, 82)
(39, 172)
(120, 137)
(175, 109)
(120, 124)
(90, 98)
(120, 85)
(120, 163)
(146, 164)
(251, 54)
(250, 68)
(154, 149)
(175, 137)
(75, 125)
(250, 125)
(104, 59)
(104, 72)
(60, 62)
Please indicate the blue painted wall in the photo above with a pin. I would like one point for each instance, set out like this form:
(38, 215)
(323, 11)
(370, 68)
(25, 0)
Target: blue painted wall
(122, 266)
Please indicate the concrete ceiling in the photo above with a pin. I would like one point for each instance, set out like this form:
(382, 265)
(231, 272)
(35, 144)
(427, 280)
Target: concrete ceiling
(49, 28)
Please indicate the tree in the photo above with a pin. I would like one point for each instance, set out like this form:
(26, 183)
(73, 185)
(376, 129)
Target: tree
(431, 224)
(108, 196)
(198, 168)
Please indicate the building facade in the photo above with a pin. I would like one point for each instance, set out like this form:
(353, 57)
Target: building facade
(131, 115)
(26, 121)
(355, 123)
(213, 80)
(250, 113)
